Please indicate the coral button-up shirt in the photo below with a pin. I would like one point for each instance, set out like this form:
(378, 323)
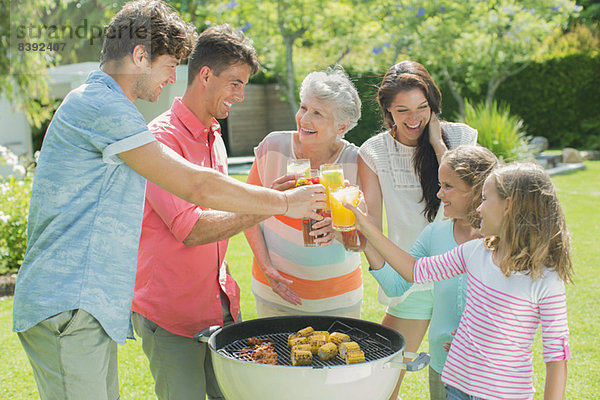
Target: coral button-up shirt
(179, 287)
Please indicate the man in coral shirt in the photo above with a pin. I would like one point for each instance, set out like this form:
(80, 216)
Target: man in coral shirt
(182, 285)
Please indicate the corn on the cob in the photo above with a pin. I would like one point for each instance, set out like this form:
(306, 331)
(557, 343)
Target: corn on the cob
(316, 342)
(327, 351)
(293, 336)
(355, 357)
(301, 357)
(321, 333)
(317, 337)
(305, 347)
(306, 332)
(338, 338)
(299, 340)
(347, 347)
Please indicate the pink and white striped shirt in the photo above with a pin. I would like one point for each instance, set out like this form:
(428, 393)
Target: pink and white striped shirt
(491, 356)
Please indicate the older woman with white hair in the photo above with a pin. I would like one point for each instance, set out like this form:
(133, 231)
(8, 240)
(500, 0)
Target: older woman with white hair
(287, 278)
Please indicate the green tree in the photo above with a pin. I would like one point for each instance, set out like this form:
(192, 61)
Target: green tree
(22, 73)
(294, 37)
(473, 45)
(28, 27)
(81, 25)
(590, 13)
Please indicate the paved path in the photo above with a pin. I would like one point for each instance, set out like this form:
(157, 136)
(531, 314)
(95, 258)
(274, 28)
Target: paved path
(564, 168)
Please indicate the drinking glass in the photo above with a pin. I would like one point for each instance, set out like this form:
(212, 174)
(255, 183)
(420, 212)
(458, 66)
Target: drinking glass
(307, 227)
(298, 167)
(332, 177)
(343, 219)
(307, 223)
(353, 240)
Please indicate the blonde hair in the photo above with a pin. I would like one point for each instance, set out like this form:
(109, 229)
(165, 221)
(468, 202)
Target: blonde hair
(534, 235)
(472, 164)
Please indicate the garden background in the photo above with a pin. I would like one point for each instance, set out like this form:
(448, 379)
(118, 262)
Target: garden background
(511, 69)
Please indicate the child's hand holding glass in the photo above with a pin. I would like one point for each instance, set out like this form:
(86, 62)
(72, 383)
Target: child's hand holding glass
(360, 212)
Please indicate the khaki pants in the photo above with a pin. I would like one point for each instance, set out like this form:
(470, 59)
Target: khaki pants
(181, 366)
(72, 357)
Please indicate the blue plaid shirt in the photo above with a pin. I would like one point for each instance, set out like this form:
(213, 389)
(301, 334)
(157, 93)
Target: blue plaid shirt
(86, 212)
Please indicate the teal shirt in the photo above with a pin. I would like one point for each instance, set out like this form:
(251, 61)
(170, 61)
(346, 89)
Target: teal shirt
(449, 296)
(86, 212)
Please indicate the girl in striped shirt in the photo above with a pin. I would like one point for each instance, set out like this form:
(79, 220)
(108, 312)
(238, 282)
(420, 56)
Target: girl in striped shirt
(462, 172)
(516, 280)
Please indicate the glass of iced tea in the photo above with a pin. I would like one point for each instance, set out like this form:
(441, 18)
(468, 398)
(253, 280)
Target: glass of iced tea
(307, 227)
(343, 219)
(332, 177)
(307, 223)
(353, 240)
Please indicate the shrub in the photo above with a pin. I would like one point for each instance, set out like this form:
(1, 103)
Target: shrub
(580, 39)
(591, 133)
(556, 97)
(15, 192)
(370, 122)
(499, 131)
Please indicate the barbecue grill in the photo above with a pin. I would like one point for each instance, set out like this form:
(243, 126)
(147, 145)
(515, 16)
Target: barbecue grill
(375, 347)
(332, 379)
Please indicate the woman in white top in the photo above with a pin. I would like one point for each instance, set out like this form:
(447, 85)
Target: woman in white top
(398, 167)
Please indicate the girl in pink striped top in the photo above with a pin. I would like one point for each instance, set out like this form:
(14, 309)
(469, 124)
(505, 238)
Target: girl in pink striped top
(516, 280)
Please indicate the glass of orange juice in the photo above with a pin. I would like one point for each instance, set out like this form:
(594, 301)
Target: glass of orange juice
(342, 218)
(332, 177)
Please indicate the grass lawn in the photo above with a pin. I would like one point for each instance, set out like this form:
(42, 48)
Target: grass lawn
(580, 196)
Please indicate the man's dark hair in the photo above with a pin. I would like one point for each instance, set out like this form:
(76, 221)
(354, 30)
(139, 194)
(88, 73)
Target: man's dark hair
(219, 47)
(152, 24)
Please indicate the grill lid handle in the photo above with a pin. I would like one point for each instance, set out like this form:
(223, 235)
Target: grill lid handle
(205, 334)
(421, 360)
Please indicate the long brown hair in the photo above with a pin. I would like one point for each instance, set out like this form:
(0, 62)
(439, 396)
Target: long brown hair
(534, 235)
(473, 164)
(405, 76)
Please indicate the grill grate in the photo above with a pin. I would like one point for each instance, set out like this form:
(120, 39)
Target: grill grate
(375, 347)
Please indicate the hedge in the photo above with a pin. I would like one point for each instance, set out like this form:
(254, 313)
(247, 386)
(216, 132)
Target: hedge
(371, 120)
(558, 99)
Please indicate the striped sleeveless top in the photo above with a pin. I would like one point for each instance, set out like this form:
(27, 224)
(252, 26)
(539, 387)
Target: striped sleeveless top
(327, 279)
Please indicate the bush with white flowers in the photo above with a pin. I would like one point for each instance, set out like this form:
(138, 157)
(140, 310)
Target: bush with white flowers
(15, 192)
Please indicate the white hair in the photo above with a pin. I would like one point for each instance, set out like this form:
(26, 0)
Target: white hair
(334, 87)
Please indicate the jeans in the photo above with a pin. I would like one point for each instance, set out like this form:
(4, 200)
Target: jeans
(437, 388)
(453, 393)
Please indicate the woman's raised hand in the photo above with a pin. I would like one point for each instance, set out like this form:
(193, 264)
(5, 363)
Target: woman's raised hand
(435, 137)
